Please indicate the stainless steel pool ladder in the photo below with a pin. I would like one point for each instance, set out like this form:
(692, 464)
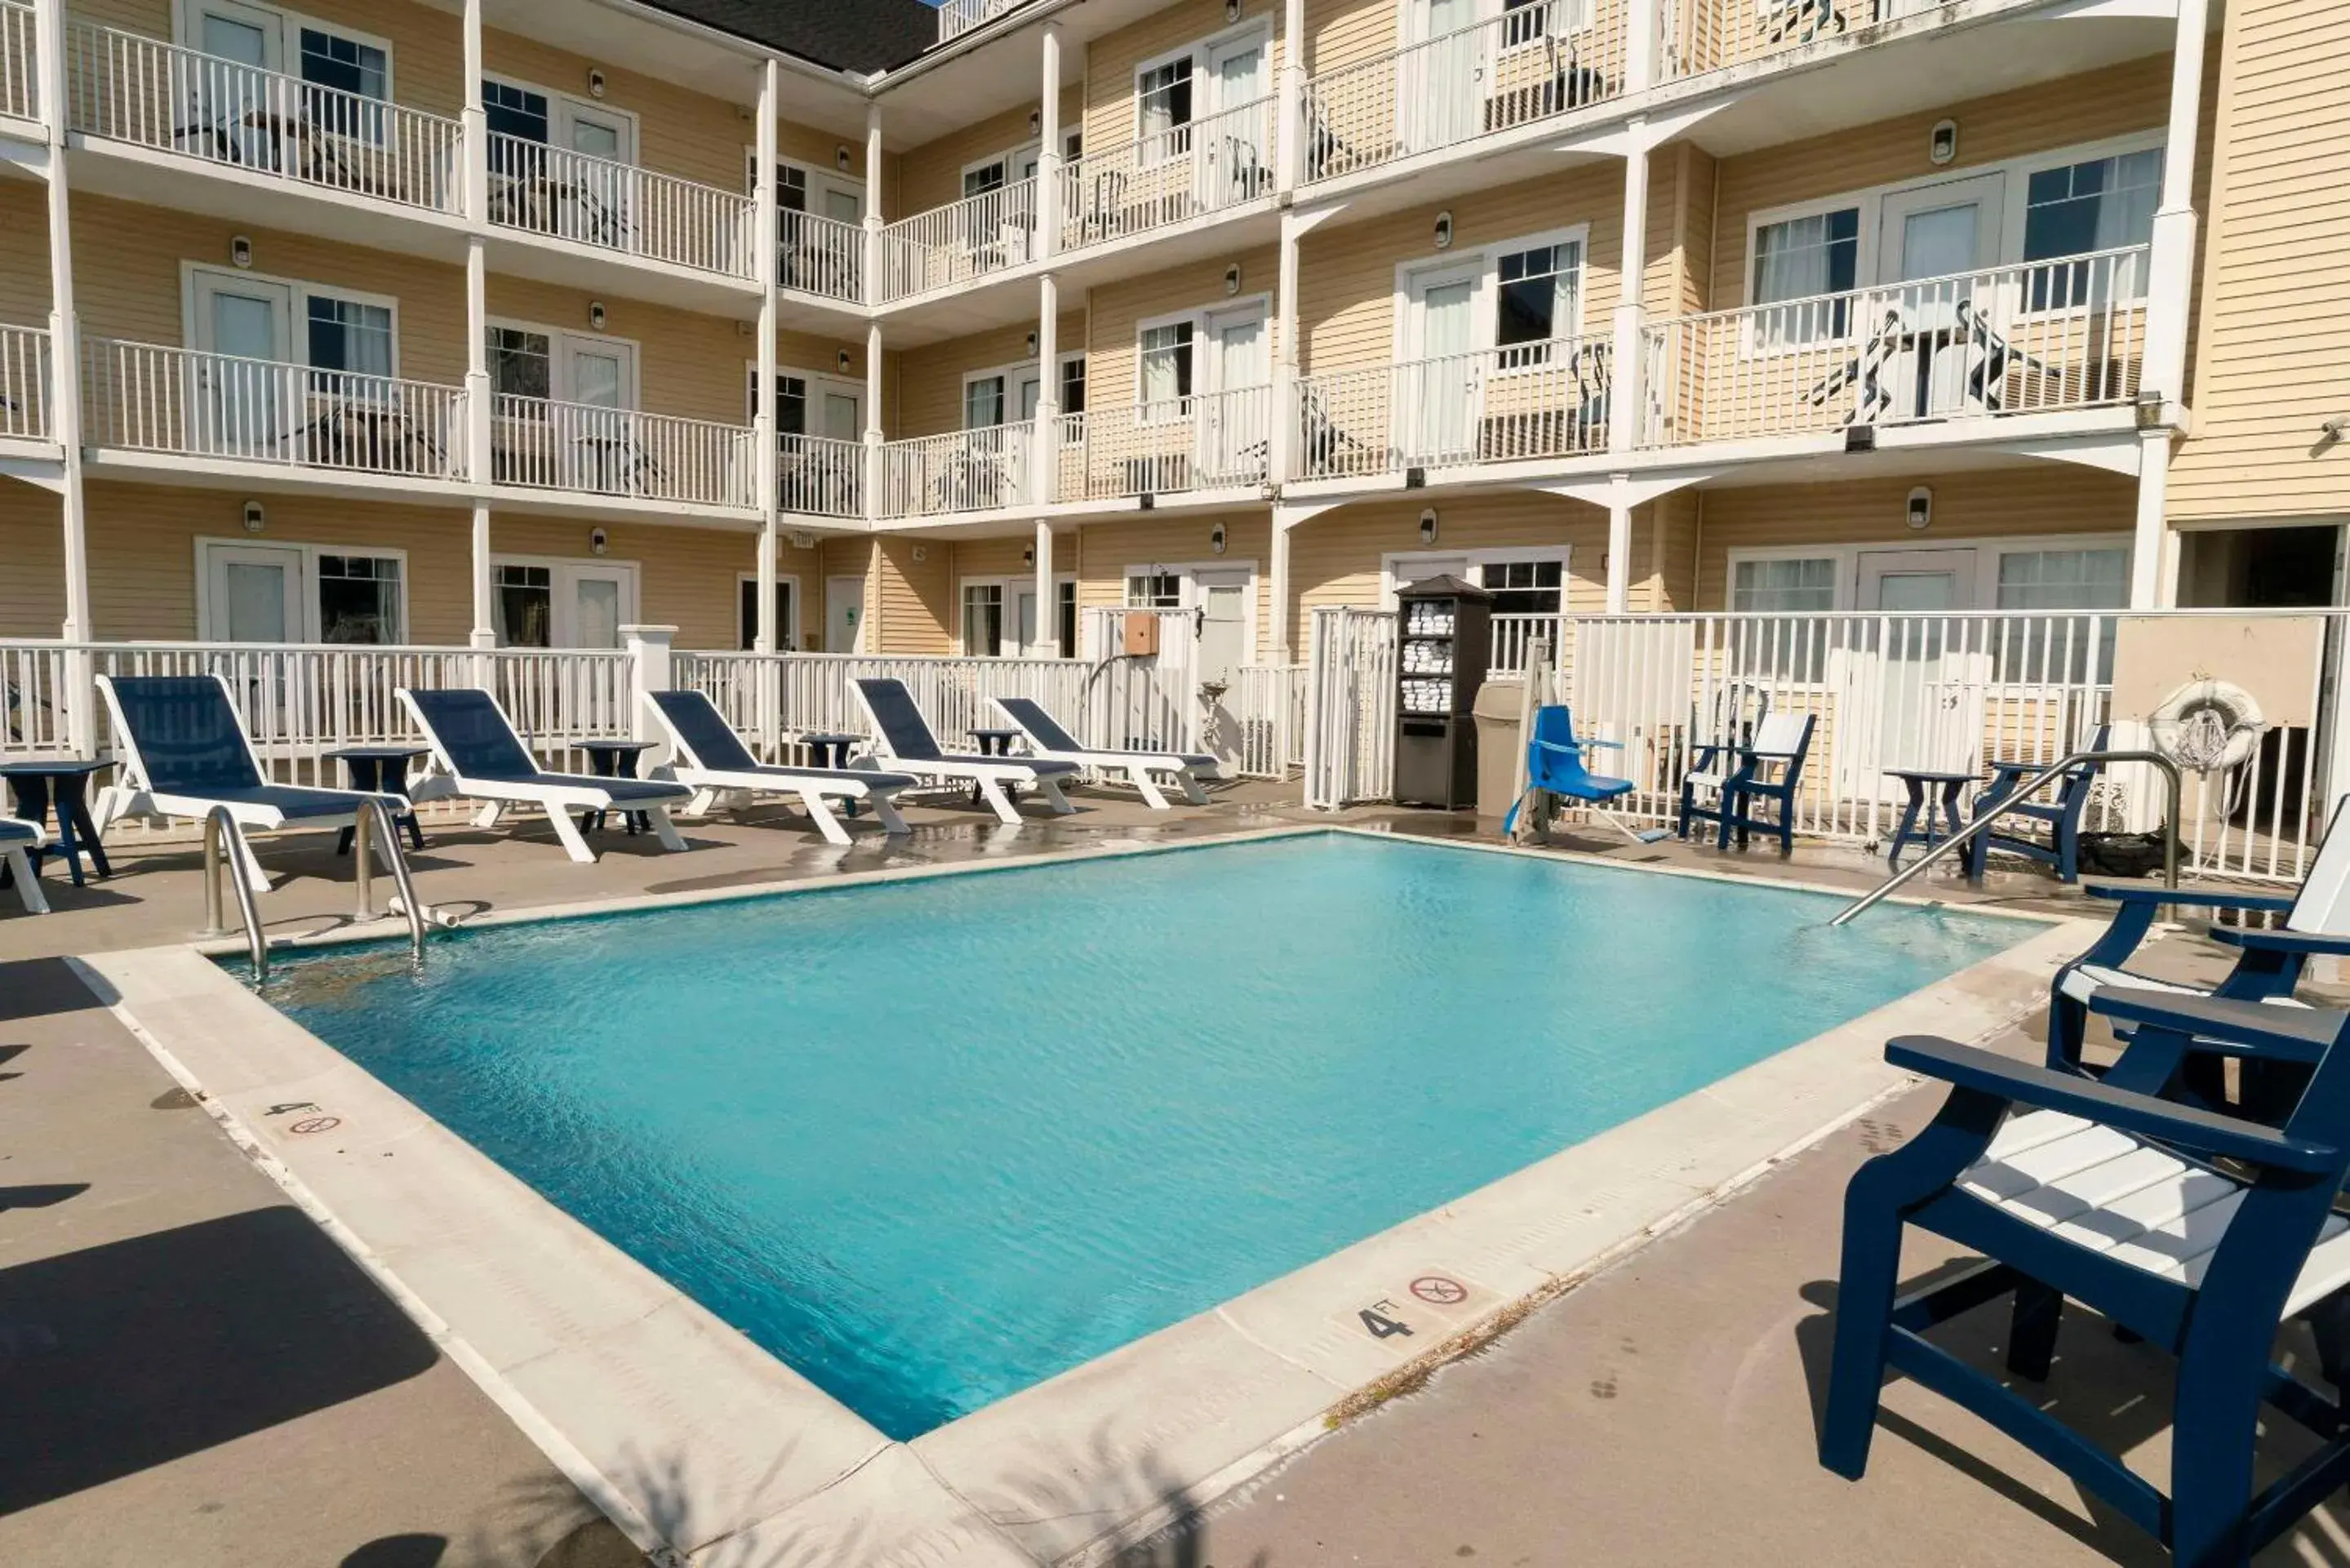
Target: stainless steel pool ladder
(225, 839)
(1981, 824)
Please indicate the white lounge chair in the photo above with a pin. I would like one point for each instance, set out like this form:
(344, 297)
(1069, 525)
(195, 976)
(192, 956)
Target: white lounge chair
(902, 736)
(712, 760)
(16, 836)
(1047, 739)
(484, 759)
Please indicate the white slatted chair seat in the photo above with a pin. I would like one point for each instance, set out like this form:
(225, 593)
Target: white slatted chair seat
(2112, 1193)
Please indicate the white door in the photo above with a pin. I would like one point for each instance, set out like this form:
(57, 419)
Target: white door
(1223, 599)
(1439, 384)
(844, 614)
(1440, 74)
(598, 182)
(243, 404)
(596, 602)
(597, 438)
(233, 117)
(1234, 428)
(1929, 322)
(1921, 675)
(252, 594)
(1237, 162)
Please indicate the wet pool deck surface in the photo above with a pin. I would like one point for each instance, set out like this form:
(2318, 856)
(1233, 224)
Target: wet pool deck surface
(194, 1373)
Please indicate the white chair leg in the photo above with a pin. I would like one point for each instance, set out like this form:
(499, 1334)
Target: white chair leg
(663, 828)
(249, 865)
(567, 831)
(993, 793)
(1189, 783)
(885, 809)
(28, 886)
(1050, 789)
(1146, 787)
(488, 816)
(705, 801)
(822, 816)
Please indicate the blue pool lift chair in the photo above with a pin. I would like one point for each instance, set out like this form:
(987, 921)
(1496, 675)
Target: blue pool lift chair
(2101, 1192)
(2060, 816)
(16, 836)
(1769, 767)
(182, 752)
(902, 737)
(1555, 767)
(482, 759)
(711, 760)
(1047, 739)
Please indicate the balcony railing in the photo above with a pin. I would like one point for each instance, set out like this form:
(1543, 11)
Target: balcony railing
(817, 476)
(955, 244)
(822, 256)
(124, 88)
(2031, 338)
(541, 445)
(1546, 58)
(1696, 36)
(957, 17)
(1211, 440)
(1167, 176)
(968, 471)
(567, 195)
(146, 397)
(17, 97)
(24, 383)
(1497, 405)
(1512, 635)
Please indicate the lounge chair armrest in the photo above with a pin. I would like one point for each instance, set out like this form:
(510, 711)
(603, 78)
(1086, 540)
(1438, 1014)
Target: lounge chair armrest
(2192, 899)
(2208, 1132)
(2303, 942)
(2303, 1033)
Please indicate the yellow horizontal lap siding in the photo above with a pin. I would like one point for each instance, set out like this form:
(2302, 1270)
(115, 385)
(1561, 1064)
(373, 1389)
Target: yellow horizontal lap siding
(1111, 61)
(2272, 343)
(688, 365)
(24, 253)
(930, 399)
(1118, 310)
(912, 601)
(1106, 550)
(1342, 33)
(679, 131)
(933, 173)
(32, 541)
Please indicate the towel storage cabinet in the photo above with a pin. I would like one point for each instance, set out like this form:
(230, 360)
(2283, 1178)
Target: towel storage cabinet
(1443, 644)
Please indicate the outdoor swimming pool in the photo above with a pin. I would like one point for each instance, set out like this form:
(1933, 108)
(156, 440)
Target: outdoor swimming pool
(933, 1141)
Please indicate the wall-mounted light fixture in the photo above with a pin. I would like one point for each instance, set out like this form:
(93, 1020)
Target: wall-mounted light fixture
(921, 553)
(1444, 230)
(1028, 555)
(1942, 143)
(799, 541)
(743, 329)
(239, 251)
(1032, 343)
(253, 520)
(595, 82)
(596, 314)
(1427, 527)
(1216, 540)
(840, 159)
(1231, 10)
(1232, 278)
(843, 361)
(1920, 515)
(599, 544)
(1035, 120)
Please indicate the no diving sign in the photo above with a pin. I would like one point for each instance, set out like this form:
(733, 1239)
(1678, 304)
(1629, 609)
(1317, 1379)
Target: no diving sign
(1428, 1301)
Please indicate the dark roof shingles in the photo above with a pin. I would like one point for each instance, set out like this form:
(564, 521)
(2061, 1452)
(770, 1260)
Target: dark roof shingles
(863, 35)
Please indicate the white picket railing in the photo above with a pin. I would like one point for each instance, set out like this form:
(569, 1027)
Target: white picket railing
(1494, 405)
(822, 256)
(148, 397)
(1514, 635)
(24, 382)
(1268, 708)
(567, 195)
(124, 88)
(1349, 751)
(1698, 35)
(2068, 333)
(817, 476)
(965, 471)
(1539, 60)
(959, 242)
(1211, 440)
(542, 444)
(1164, 177)
(957, 17)
(19, 92)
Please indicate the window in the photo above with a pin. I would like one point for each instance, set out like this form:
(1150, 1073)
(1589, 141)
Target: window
(1073, 385)
(1781, 649)
(1535, 294)
(349, 335)
(791, 188)
(982, 402)
(1163, 107)
(983, 620)
(984, 178)
(1166, 368)
(2102, 204)
(2056, 648)
(516, 112)
(525, 607)
(359, 598)
(1789, 586)
(1799, 260)
(1154, 590)
(747, 614)
(1065, 619)
(1524, 587)
(521, 363)
(791, 405)
(342, 66)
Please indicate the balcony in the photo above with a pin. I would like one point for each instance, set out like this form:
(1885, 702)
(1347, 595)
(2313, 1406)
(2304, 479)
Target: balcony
(17, 99)
(822, 256)
(2040, 338)
(1213, 440)
(957, 17)
(178, 402)
(536, 444)
(1169, 176)
(556, 193)
(968, 471)
(140, 91)
(1698, 35)
(817, 476)
(1530, 64)
(1525, 401)
(24, 383)
(964, 241)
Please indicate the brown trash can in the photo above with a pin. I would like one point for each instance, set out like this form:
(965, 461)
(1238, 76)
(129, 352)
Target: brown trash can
(1499, 745)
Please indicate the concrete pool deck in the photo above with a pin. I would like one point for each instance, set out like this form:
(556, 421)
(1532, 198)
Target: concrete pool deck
(1120, 1455)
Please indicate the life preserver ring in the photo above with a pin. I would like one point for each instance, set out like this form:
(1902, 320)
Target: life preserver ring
(2208, 726)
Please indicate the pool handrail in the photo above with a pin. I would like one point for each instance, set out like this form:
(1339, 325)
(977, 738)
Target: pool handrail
(221, 830)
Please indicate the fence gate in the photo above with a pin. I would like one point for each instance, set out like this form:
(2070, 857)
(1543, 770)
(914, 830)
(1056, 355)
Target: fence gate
(1350, 707)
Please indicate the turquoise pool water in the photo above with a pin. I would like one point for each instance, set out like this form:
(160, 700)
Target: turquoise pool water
(933, 1141)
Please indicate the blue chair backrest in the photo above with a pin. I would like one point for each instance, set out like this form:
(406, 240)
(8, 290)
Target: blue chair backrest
(708, 738)
(1030, 715)
(186, 733)
(476, 736)
(1554, 726)
(901, 723)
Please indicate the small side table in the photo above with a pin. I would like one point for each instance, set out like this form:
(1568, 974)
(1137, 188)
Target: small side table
(1918, 779)
(995, 743)
(379, 770)
(616, 760)
(60, 786)
(831, 750)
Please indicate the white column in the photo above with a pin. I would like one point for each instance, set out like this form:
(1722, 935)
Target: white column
(1048, 608)
(1278, 624)
(1282, 445)
(873, 204)
(64, 353)
(1640, 22)
(1043, 436)
(1289, 134)
(1620, 545)
(1624, 397)
(766, 633)
(2152, 547)
(1048, 153)
(873, 418)
(651, 667)
(478, 405)
(485, 623)
(475, 124)
(2170, 274)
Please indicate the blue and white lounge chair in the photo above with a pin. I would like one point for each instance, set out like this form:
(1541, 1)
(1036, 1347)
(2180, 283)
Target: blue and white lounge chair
(482, 759)
(16, 836)
(712, 760)
(1047, 739)
(902, 736)
(2101, 1192)
(182, 752)
(1770, 767)
(1555, 767)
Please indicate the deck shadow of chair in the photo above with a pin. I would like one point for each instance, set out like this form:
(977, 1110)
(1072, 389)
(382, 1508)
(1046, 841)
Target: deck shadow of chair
(1768, 767)
(2061, 818)
(2198, 1232)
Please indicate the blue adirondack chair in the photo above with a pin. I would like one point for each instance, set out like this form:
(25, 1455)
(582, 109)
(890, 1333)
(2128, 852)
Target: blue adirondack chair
(1555, 767)
(2101, 1191)
(2062, 816)
(1770, 767)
